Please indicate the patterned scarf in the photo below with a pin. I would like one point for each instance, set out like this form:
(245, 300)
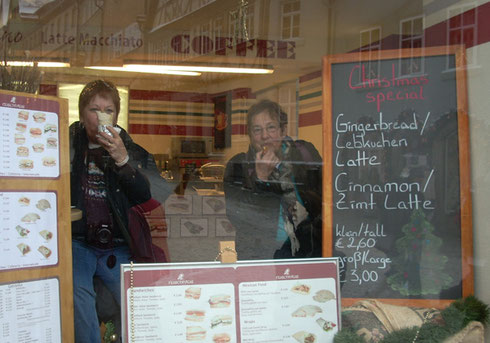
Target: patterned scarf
(291, 210)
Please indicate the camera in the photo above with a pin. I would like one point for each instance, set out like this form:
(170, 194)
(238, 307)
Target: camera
(100, 235)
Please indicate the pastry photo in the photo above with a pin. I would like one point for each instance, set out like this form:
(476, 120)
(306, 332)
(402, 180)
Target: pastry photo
(301, 289)
(325, 324)
(30, 218)
(24, 201)
(307, 311)
(323, 295)
(23, 248)
(45, 251)
(23, 232)
(43, 205)
(47, 235)
(304, 337)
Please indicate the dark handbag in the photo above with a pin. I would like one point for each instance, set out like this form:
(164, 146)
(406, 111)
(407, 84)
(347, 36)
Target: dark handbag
(141, 219)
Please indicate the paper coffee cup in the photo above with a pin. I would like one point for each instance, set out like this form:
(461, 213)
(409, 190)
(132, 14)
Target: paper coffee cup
(105, 120)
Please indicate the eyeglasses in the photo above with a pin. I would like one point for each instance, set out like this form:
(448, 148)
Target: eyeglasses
(270, 129)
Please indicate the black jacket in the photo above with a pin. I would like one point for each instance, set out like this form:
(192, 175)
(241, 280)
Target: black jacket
(253, 206)
(127, 185)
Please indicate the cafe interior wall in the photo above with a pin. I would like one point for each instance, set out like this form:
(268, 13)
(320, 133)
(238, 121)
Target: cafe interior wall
(327, 27)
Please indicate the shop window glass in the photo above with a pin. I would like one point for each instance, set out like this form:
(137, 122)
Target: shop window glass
(462, 27)
(290, 19)
(194, 124)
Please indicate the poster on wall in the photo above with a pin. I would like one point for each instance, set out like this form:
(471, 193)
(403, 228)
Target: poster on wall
(222, 122)
(30, 137)
(259, 301)
(399, 208)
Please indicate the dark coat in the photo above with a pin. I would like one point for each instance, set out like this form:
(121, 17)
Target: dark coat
(126, 185)
(253, 206)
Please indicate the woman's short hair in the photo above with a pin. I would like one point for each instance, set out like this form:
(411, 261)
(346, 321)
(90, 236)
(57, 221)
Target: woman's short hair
(275, 112)
(103, 88)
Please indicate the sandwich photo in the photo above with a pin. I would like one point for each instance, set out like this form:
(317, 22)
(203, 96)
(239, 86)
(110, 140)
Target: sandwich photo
(39, 117)
(24, 201)
(38, 147)
(47, 235)
(219, 300)
(304, 337)
(219, 320)
(221, 338)
(21, 127)
(325, 324)
(195, 333)
(23, 115)
(43, 205)
(22, 151)
(50, 128)
(35, 132)
(323, 295)
(23, 232)
(193, 292)
(30, 218)
(19, 139)
(45, 251)
(23, 248)
(194, 315)
(26, 164)
(301, 289)
(51, 143)
(49, 162)
(307, 311)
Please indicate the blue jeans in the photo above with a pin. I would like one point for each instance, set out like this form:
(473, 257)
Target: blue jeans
(87, 263)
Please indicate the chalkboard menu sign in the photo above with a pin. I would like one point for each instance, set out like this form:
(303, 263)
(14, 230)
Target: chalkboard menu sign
(397, 196)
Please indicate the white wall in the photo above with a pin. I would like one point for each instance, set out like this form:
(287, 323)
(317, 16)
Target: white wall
(479, 116)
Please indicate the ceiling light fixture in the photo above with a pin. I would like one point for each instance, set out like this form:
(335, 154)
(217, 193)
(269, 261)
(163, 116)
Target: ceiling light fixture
(45, 64)
(199, 68)
(147, 70)
(40, 64)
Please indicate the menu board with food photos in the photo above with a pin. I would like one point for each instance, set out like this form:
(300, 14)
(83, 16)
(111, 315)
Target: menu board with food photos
(36, 287)
(30, 137)
(253, 301)
(29, 231)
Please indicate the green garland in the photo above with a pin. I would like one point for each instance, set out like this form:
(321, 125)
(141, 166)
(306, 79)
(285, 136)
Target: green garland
(456, 316)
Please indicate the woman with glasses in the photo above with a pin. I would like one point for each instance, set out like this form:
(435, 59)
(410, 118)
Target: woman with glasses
(273, 191)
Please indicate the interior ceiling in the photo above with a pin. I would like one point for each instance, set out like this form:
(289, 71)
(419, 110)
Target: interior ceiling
(348, 16)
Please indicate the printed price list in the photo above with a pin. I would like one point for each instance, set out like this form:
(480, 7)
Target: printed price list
(30, 312)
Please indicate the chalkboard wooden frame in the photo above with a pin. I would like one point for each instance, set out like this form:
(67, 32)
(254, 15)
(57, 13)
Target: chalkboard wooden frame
(464, 160)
